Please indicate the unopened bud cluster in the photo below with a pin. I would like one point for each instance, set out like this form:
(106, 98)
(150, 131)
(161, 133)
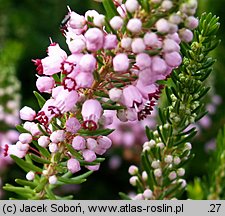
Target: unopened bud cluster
(164, 169)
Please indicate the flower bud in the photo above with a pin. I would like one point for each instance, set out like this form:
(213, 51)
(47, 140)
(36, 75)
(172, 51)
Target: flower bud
(78, 143)
(104, 142)
(87, 63)
(139, 197)
(172, 175)
(22, 146)
(77, 45)
(106, 119)
(151, 143)
(173, 59)
(133, 170)
(159, 65)
(45, 172)
(143, 61)
(89, 155)
(151, 39)
(91, 144)
(72, 125)
(120, 62)
(147, 194)
(186, 35)
(115, 94)
(76, 21)
(188, 146)
(28, 114)
(131, 114)
(43, 141)
(27, 125)
(99, 20)
(126, 43)
(110, 41)
(173, 28)
(52, 179)
(133, 180)
(73, 165)
(160, 145)
(57, 136)
(99, 150)
(176, 160)
(94, 39)
(155, 164)
(158, 173)
(162, 25)
(191, 22)
(53, 147)
(170, 45)
(183, 183)
(35, 130)
(167, 5)
(138, 45)
(181, 172)
(168, 159)
(84, 80)
(175, 19)
(30, 176)
(144, 176)
(131, 5)
(134, 25)
(174, 37)
(45, 84)
(25, 138)
(116, 22)
(93, 167)
(91, 14)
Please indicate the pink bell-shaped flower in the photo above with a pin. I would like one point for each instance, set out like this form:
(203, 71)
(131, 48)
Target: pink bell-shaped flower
(91, 112)
(132, 97)
(73, 165)
(28, 114)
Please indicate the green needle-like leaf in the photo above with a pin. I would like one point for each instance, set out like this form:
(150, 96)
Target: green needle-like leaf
(110, 9)
(25, 165)
(124, 196)
(40, 99)
(99, 132)
(39, 159)
(26, 183)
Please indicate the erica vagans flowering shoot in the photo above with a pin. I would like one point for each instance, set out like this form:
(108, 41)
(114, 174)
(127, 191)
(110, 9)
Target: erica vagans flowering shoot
(115, 62)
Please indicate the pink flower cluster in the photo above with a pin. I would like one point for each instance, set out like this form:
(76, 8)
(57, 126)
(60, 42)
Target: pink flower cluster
(9, 137)
(124, 63)
(88, 147)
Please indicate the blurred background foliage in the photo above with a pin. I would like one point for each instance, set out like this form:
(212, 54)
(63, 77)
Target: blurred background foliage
(30, 23)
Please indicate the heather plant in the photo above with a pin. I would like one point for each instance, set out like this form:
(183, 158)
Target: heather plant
(169, 149)
(9, 100)
(121, 61)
